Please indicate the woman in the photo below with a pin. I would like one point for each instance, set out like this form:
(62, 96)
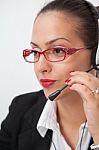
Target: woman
(64, 44)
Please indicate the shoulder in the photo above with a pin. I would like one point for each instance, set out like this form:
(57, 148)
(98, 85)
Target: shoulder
(28, 98)
(25, 101)
(21, 105)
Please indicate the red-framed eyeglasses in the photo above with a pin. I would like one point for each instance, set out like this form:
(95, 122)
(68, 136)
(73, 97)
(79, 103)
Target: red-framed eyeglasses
(56, 54)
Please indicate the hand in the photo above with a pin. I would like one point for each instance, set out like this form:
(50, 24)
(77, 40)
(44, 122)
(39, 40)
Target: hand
(84, 83)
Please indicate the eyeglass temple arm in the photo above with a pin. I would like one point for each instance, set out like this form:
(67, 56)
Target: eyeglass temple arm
(57, 92)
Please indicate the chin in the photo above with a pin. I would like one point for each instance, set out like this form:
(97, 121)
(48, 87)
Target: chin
(64, 93)
(48, 92)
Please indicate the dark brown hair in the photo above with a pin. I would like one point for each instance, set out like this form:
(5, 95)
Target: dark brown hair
(88, 28)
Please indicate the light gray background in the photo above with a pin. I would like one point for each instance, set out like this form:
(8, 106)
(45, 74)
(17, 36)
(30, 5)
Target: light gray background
(16, 76)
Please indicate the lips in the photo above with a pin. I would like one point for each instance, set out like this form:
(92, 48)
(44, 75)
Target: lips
(47, 82)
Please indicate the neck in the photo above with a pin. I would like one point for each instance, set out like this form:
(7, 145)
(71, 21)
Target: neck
(70, 115)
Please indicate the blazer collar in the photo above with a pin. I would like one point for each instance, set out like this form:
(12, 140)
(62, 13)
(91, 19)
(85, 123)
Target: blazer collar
(32, 116)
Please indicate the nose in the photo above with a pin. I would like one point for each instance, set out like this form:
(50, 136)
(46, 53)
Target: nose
(44, 66)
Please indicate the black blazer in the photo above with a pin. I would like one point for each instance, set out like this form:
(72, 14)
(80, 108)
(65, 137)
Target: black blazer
(18, 130)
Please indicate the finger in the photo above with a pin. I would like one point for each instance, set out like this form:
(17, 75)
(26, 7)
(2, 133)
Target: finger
(90, 101)
(84, 78)
(83, 91)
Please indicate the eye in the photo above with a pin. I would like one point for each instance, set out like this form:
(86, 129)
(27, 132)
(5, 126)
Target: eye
(59, 50)
(35, 53)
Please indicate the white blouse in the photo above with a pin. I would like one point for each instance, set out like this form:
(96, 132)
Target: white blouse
(48, 120)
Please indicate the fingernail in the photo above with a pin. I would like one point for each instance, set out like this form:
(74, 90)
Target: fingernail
(70, 85)
(68, 80)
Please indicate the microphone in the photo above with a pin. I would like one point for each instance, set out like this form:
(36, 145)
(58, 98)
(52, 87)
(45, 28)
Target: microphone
(53, 95)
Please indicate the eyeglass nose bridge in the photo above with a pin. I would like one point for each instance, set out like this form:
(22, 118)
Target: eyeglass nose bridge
(44, 54)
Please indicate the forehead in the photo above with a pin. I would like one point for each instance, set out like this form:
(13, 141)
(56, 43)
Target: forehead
(53, 24)
(59, 16)
(55, 18)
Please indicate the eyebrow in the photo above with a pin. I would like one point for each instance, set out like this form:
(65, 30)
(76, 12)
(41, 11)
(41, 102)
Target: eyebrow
(52, 41)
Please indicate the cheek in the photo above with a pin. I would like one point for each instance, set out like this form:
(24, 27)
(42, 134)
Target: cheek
(62, 70)
(80, 61)
(83, 61)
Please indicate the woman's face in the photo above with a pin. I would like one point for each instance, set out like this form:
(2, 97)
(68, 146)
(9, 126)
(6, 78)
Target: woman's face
(53, 29)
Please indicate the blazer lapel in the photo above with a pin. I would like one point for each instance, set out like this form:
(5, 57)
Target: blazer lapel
(29, 137)
(33, 115)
